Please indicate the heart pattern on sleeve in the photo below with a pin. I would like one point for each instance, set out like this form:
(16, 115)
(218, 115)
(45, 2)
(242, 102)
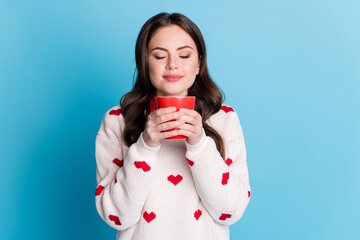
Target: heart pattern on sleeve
(225, 178)
(191, 163)
(99, 189)
(118, 162)
(115, 219)
(116, 112)
(224, 216)
(227, 109)
(228, 161)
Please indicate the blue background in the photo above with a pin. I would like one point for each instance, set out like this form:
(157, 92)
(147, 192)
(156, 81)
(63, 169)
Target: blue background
(291, 70)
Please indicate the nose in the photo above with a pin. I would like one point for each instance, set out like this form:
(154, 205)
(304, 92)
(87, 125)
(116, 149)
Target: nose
(172, 63)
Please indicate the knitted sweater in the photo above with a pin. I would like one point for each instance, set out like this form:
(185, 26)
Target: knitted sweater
(176, 190)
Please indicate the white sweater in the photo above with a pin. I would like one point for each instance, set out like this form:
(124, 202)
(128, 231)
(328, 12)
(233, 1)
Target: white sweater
(176, 190)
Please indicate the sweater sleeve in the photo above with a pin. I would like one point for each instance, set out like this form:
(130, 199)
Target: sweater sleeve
(223, 185)
(123, 178)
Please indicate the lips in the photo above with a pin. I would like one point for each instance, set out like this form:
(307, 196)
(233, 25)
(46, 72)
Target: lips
(173, 77)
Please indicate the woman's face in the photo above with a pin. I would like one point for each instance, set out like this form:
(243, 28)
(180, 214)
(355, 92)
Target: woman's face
(173, 61)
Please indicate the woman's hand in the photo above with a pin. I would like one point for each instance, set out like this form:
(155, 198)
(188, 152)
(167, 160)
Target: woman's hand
(158, 122)
(193, 130)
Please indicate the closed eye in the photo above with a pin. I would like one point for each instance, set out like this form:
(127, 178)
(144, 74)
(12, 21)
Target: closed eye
(164, 57)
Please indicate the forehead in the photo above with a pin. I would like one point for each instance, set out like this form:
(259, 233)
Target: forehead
(170, 36)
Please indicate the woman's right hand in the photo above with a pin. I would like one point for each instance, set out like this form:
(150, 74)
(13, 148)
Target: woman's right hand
(158, 122)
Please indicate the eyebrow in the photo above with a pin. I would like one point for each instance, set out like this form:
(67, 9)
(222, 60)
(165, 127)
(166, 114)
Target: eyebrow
(164, 49)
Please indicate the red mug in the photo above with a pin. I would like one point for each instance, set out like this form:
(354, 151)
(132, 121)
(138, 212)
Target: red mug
(178, 102)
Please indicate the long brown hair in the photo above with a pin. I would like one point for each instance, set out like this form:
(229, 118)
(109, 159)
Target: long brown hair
(135, 104)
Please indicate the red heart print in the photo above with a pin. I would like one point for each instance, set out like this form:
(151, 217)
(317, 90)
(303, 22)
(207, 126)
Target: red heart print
(116, 112)
(115, 219)
(191, 163)
(143, 165)
(175, 180)
(99, 189)
(248, 193)
(115, 180)
(228, 161)
(197, 214)
(224, 216)
(118, 162)
(227, 109)
(225, 178)
(149, 216)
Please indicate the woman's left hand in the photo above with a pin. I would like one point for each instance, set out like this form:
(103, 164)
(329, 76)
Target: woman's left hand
(192, 128)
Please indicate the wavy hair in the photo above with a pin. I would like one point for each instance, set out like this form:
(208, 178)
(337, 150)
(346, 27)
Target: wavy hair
(135, 104)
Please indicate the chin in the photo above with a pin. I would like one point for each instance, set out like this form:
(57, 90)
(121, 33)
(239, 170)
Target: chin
(172, 93)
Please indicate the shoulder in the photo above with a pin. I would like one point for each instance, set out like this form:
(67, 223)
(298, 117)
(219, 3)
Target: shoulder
(112, 120)
(114, 111)
(226, 121)
(226, 109)
(226, 113)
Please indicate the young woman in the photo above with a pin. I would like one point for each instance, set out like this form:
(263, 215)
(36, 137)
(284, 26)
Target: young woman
(150, 187)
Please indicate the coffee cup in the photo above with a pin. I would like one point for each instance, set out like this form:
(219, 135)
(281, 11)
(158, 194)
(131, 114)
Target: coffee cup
(177, 102)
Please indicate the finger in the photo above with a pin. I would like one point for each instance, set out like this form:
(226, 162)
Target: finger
(168, 134)
(190, 120)
(170, 125)
(152, 136)
(161, 111)
(192, 138)
(167, 117)
(190, 112)
(182, 132)
(191, 129)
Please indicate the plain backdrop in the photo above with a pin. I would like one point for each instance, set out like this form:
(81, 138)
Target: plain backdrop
(291, 70)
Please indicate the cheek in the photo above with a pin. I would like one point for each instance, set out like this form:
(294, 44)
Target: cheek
(154, 68)
(151, 68)
(192, 68)
(154, 73)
